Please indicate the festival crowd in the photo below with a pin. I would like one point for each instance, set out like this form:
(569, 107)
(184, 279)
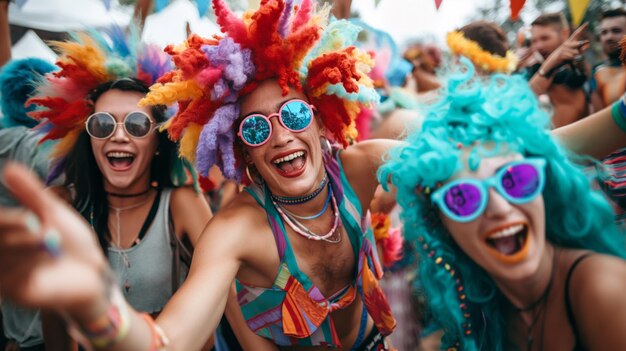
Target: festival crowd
(299, 181)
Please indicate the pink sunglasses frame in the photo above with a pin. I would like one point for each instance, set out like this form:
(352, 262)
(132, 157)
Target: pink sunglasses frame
(269, 122)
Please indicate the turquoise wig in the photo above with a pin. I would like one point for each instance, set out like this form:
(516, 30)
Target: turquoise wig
(504, 112)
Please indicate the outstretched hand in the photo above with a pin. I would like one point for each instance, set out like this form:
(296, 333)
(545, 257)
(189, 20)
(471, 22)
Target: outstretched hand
(49, 257)
(571, 48)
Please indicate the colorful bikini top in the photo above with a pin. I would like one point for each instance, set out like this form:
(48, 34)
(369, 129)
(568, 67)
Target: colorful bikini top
(294, 311)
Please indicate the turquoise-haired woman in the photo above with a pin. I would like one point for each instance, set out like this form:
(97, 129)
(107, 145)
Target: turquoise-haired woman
(517, 251)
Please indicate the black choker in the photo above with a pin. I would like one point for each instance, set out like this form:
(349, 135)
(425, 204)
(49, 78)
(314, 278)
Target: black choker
(296, 200)
(130, 195)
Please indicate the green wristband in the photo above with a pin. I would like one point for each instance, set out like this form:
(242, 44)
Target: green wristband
(618, 116)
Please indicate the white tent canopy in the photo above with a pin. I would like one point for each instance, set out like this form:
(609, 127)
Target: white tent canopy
(169, 25)
(30, 45)
(165, 27)
(67, 15)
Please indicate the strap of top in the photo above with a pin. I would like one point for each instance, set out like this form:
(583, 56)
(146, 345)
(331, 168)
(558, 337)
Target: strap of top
(258, 193)
(151, 214)
(350, 213)
(568, 306)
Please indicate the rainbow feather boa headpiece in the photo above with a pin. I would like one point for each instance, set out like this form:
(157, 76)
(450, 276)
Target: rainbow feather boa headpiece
(85, 62)
(293, 44)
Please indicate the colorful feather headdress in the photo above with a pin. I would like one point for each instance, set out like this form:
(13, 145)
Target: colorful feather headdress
(87, 61)
(291, 43)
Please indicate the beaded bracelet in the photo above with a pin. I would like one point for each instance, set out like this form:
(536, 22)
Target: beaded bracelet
(108, 329)
(618, 112)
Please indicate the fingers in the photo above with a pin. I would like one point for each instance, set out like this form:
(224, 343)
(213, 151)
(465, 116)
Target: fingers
(579, 32)
(27, 189)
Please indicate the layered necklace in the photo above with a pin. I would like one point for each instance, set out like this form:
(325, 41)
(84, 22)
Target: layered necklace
(332, 236)
(543, 301)
(118, 238)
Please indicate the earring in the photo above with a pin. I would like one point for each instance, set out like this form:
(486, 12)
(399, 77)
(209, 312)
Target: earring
(253, 179)
(326, 146)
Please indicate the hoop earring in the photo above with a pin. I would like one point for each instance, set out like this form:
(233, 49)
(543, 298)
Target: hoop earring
(253, 179)
(326, 146)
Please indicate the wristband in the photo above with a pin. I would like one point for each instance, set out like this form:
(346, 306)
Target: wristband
(618, 112)
(111, 327)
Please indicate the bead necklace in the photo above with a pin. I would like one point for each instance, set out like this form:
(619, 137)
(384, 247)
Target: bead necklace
(293, 215)
(306, 232)
(296, 200)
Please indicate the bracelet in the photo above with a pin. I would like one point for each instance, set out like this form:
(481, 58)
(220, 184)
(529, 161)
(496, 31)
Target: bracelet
(108, 329)
(618, 112)
(159, 339)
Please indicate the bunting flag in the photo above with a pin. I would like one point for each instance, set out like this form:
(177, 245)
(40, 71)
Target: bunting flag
(578, 9)
(438, 3)
(516, 7)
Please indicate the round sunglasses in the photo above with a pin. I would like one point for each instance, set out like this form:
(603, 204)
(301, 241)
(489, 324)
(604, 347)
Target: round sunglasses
(295, 115)
(519, 182)
(102, 125)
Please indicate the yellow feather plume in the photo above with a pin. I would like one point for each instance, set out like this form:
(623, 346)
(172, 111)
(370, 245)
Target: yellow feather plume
(189, 142)
(165, 94)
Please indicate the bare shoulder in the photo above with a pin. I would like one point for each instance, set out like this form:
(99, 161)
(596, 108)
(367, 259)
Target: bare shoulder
(398, 124)
(186, 197)
(599, 277)
(237, 221)
(190, 211)
(597, 294)
(368, 153)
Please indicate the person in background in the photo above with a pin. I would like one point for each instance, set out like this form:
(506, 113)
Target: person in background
(563, 73)
(608, 78)
(5, 33)
(485, 45)
(18, 78)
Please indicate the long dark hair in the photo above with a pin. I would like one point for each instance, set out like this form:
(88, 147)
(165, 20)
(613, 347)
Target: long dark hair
(84, 176)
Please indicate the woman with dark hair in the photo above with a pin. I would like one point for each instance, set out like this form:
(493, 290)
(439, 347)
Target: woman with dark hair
(121, 174)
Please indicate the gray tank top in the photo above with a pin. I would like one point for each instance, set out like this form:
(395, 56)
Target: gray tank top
(144, 271)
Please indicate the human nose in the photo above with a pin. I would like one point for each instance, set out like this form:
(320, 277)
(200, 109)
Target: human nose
(280, 135)
(119, 133)
(497, 205)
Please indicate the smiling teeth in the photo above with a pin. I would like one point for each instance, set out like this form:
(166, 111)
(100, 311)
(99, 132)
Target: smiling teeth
(289, 157)
(506, 232)
(119, 154)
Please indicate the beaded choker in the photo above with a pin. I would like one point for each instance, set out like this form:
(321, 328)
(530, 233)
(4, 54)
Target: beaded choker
(301, 229)
(287, 200)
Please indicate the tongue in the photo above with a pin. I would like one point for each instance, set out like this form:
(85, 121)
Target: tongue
(121, 162)
(293, 165)
(506, 246)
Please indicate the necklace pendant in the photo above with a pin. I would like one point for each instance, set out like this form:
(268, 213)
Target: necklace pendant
(127, 286)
